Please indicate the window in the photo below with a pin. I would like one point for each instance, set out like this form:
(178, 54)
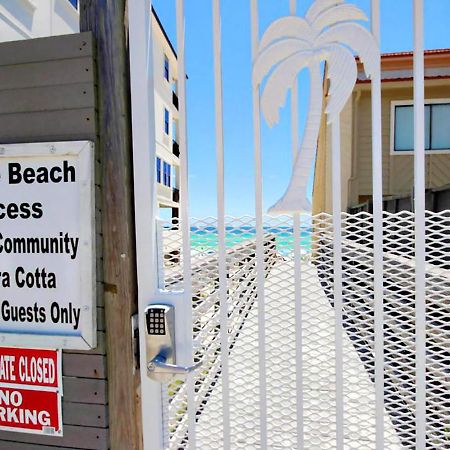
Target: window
(166, 68)
(166, 174)
(174, 130)
(158, 170)
(437, 129)
(174, 178)
(166, 121)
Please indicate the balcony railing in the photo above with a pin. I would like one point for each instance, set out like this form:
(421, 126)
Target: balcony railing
(175, 99)
(175, 149)
(436, 200)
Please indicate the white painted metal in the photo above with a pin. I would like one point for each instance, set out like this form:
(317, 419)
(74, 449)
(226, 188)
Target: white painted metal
(284, 309)
(223, 283)
(377, 190)
(292, 7)
(142, 109)
(160, 252)
(290, 44)
(260, 279)
(337, 276)
(419, 210)
(319, 341)
(297, 267)
(184, 309)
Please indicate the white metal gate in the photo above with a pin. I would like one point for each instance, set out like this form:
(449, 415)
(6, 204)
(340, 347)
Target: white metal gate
(312, 332)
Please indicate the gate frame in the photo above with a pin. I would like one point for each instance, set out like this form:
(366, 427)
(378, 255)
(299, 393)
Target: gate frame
(145, 204)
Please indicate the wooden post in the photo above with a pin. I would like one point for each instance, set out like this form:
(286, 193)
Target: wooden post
(107, 21)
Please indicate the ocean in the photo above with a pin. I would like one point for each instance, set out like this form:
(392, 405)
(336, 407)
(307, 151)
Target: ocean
(206, 238)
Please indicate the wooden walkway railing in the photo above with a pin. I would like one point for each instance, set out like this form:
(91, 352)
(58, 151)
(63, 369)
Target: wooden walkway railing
(436, 200)
(242, 294)
(399, 330)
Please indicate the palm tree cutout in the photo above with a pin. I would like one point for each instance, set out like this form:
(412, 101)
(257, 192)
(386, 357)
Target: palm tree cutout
(328, 32)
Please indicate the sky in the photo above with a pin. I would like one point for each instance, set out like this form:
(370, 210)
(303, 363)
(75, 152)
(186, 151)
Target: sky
(396, 35)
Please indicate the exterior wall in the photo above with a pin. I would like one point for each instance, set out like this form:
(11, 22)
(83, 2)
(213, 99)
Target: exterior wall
(163, 99)
(323, 180)
(26, 19)
(398, 169)
(356, 149)
(36, 107)
(321, 176)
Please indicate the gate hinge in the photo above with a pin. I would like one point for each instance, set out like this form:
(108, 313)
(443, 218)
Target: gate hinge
(135, 341)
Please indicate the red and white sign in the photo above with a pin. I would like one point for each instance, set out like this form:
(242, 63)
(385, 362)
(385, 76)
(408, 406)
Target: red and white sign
(31, 367)
(30, 390)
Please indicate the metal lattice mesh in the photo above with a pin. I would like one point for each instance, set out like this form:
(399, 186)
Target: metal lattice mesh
(318, 370)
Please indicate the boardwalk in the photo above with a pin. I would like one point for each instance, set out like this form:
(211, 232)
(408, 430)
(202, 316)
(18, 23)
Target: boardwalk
(319, 396)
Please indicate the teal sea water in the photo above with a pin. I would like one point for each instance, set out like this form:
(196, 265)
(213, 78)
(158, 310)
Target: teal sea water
(206, 238)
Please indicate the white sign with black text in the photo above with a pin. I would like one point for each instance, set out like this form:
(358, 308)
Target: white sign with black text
(47, 245)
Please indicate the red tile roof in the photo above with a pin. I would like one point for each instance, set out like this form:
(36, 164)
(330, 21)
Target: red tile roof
(436, 51)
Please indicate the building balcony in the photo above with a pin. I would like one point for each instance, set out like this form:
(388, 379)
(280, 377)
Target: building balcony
(165, 196)
(175, 149)
(175, 99)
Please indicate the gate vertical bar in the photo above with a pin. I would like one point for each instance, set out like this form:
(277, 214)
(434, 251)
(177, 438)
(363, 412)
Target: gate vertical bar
(260, 279)
(223, 291)
(142, 111)
(337, 272)
(419, 214)
(377, 200)
(297, 267)
(185, 225)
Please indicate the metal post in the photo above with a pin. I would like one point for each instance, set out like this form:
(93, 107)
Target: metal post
(337, 271)
(297, 267)
(184, 327)
(223, 293)
(143, 118)
(419, 214)
(260, 275)
(377, 194)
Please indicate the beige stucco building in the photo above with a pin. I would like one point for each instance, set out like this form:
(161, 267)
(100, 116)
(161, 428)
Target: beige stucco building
(165, 78)
(397, 133)
(28, 19)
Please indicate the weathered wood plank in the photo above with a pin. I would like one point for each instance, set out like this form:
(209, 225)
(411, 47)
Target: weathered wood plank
(100, 318)
(48, 126)
(47, 49)
(88, 438)
(100, 285)
(85, 390)
(47, 98)
(9, 445)
(107, 22)
(49, 73)
(89, 415)
(84, 366)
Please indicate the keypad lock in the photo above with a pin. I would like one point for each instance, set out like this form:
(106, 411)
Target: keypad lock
(156, 324)
(160, 343)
